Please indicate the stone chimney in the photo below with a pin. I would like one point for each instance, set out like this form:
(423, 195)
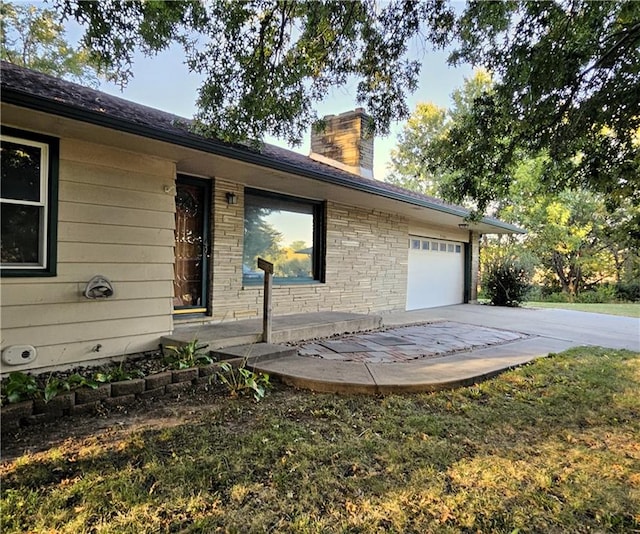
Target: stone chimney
(345, 143)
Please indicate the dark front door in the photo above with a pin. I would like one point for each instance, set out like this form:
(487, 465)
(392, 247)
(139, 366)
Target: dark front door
(191, 245)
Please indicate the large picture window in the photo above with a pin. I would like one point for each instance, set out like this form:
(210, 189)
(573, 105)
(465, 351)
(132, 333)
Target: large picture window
(288, 232)
(28, 193)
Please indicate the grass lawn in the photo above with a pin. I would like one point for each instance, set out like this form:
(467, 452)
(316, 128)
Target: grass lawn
(628, 309)
(551, 447)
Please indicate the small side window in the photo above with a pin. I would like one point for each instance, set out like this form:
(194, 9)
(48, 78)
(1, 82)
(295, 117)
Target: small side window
(28, 197)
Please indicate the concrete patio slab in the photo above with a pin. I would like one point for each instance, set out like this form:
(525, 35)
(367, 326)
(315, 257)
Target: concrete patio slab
(324, 376)
(460, 369)
(401, 344)
(545, 331)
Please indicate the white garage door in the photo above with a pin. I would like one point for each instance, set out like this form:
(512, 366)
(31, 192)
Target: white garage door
(436, 273)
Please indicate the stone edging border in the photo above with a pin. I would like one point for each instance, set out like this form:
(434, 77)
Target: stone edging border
(86, 400)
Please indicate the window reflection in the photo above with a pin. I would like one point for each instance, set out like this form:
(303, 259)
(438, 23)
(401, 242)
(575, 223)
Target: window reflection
(281, 231)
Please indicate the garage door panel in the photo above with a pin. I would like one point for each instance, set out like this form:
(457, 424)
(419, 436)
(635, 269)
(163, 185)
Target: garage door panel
(435, 273)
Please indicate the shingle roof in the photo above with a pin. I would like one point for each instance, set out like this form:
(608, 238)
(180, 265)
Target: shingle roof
(28, 88)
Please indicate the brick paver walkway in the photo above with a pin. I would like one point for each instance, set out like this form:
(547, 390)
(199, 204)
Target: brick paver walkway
(408, 343)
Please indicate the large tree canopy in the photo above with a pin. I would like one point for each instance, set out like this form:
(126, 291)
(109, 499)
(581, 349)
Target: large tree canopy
(567, 81)
(265, 63)
(566, 72)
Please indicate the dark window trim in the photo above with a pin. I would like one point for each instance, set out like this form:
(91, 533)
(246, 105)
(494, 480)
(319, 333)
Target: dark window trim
(319, 261)
(207, 186)
(50, 268)
(467, 272)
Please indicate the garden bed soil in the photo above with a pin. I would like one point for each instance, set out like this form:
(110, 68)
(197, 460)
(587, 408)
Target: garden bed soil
(110, 423)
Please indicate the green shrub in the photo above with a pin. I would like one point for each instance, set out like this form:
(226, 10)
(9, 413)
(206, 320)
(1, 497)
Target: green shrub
(601, 294)
(506, 282)
(629, 291)
(557, 297)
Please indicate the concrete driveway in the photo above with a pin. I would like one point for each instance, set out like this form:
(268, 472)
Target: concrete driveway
(572, 328)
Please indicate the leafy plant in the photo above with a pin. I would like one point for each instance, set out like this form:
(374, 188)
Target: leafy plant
(117, 374)
(54, 385)
(189, 355)
(506, 282)
(77, 381)
(241, 381)
(19, 387)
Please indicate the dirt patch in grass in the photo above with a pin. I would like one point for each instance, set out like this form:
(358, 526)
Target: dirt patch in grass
(550, 447)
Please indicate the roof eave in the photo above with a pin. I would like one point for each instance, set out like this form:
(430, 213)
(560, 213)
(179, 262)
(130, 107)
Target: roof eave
(196, 142)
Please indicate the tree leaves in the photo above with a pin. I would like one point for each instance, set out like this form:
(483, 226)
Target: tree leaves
(33, 38)
(567, 82)
(265, 63)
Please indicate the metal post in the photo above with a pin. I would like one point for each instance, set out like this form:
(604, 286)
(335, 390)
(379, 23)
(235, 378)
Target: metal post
(267, 267)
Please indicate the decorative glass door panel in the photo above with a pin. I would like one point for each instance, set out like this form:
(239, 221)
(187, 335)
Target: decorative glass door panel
(191, 246)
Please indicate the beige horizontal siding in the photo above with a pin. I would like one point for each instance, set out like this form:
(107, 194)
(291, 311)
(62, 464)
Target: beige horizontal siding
(96, 331)
(77, 312)
(100, 175)
(103, 253)
(25, 293)
(81, 273)
(124, 235)
(115, 219)
(84, 352)
(109, 215)
(110, 196)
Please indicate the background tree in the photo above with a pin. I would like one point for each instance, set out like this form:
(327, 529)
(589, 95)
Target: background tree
(409, 167)
(564, 234)
(34, 38)
(415, 161)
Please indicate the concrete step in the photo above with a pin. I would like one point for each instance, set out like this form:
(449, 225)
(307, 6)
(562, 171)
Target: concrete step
(255, 352)
(320, 329)
(286, 328)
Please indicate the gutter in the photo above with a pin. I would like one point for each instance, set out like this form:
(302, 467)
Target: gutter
(193, 141)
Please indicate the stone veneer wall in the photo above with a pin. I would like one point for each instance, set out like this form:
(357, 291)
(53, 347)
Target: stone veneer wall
(366, 263)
